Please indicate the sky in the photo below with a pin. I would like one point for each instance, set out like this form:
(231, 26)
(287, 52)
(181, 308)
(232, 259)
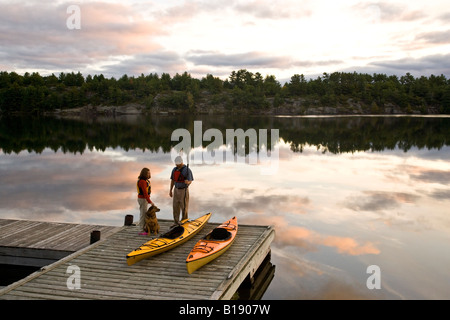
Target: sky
(279, 38)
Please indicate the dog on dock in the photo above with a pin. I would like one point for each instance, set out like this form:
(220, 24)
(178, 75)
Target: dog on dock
(151, 222)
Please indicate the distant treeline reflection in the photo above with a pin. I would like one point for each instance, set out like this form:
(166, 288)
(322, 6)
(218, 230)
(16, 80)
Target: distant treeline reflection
(153, 133)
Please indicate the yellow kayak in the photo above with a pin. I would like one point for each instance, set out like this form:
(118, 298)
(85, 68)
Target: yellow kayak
(212, 245)
(169, 240)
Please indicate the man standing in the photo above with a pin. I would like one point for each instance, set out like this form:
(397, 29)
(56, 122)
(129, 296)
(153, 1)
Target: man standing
(180, 178)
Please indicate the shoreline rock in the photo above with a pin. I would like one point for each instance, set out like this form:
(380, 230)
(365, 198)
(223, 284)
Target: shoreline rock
(294, 107)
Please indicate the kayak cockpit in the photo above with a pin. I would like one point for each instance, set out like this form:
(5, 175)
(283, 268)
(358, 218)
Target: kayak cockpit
(218, 234)
(173, 233)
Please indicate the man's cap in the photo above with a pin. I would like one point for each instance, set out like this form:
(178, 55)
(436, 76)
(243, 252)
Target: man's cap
(178, 160)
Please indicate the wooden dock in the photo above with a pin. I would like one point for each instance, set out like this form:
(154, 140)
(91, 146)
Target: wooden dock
(104, 273)
(38, 243)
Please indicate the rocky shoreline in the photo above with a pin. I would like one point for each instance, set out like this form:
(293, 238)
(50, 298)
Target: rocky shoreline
(289, 108)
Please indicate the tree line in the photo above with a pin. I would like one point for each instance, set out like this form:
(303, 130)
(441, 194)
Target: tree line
(242, 90)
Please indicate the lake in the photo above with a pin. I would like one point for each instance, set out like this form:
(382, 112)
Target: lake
(360, 204)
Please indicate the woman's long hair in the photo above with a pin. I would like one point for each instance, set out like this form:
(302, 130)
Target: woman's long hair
(143, 174)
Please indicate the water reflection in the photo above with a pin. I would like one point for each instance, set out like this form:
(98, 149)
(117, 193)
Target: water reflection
(330, 134)
(254, 289)
(335, 212)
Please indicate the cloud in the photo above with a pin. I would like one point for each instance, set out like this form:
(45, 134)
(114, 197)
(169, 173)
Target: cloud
(387, 12)
(441, 194)
(92, 183)
(308, 240)
(107, 30)
(252, 204)
(349, 245)
(433, 176)
(445, 17)
(379, 200)
(265, 9)
(431, 64)
(300, 279)
(252, 59)
(159, 61)
(247, 59)
(434, 37)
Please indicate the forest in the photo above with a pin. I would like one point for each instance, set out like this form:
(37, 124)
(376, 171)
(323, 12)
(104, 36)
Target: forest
(241, 91)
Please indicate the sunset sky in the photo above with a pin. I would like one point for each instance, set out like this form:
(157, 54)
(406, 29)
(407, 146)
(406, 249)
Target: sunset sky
(280, 38)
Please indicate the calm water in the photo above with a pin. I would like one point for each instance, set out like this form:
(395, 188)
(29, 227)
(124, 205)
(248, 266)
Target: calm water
(347, 193)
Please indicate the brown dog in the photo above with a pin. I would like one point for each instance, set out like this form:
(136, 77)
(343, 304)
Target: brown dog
(151, 222)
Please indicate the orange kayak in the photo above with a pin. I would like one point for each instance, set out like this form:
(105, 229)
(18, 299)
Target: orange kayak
(212, 245)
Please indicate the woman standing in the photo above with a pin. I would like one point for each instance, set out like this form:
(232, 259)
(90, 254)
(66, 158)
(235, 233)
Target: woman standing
(144, 190)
